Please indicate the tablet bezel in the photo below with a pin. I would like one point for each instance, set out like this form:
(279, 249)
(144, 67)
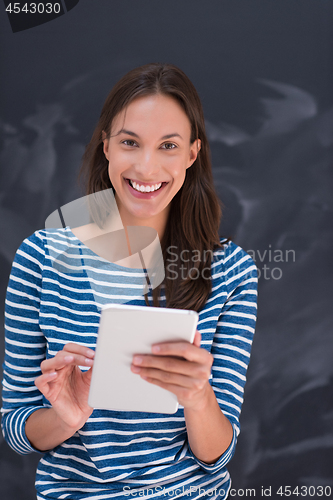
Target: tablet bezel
(126, 330)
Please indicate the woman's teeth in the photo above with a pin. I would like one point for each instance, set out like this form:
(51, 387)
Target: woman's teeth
(145, 189)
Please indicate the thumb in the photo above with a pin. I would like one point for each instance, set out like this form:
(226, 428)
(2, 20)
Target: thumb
(87, 376)
(197, 339)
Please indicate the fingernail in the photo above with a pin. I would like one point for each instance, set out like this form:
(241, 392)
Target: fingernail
(156, 348)
(69, 358)
(89, 361)
(137, 360)
(90, 353)
(135, 369)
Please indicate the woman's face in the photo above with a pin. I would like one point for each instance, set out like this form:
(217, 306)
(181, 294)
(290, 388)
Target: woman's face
(148, 152)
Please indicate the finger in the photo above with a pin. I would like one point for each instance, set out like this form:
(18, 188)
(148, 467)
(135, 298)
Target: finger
(63, 359)
(42, 382)
(168, 378)
(181, 386)
(185, 396)
(172, 365)
(184, 350)
(69, 349)
(79, 349)
(175, 389)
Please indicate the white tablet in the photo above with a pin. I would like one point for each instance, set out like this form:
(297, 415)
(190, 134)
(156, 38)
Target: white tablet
(127, 330)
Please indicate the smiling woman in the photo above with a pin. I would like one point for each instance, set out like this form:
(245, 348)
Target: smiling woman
(151, 150)
(154, 123)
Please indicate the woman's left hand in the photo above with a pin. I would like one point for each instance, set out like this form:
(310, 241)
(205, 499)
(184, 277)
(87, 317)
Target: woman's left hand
(180, 367)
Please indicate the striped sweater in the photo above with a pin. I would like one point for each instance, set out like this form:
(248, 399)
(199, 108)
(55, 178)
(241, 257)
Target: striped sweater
(118, 454)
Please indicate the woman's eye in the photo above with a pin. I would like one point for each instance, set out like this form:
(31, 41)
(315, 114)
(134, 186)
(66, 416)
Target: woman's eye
(169, 145)
(129, 142)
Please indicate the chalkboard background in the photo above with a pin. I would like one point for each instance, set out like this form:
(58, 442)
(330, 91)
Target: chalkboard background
(263, 70)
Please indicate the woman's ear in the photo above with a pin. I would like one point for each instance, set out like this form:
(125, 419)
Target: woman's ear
(105, 144)
(194, 150)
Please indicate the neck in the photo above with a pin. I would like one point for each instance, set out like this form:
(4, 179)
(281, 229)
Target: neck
(157, 222)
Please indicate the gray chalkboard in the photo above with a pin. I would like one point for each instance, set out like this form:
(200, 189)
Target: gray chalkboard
(263, 70)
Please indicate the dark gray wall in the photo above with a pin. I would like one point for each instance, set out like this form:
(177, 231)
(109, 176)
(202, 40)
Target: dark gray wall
(264, 72)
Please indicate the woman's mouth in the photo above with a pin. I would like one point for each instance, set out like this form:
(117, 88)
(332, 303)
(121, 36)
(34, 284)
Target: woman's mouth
(145, 190)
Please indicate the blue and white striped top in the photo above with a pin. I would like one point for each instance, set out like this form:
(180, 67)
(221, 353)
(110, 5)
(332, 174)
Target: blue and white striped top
(118, 454)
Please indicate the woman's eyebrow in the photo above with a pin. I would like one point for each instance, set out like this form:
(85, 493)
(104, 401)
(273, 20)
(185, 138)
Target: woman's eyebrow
(129, 132)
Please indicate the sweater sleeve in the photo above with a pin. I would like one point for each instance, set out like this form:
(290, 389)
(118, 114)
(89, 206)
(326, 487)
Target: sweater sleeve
(232, 341)
(25, 344)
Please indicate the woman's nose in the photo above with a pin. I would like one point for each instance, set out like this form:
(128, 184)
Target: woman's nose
(148, 164)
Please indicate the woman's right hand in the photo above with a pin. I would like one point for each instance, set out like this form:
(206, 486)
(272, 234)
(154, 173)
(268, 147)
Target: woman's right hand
(65, 386)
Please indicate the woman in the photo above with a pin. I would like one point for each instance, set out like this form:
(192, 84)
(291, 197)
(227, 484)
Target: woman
(151, 149)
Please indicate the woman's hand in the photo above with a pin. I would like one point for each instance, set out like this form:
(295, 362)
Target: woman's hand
(179, 367)
(184, 369)
(65, 386)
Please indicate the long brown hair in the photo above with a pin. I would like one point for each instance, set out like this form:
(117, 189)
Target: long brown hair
(195, 210)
